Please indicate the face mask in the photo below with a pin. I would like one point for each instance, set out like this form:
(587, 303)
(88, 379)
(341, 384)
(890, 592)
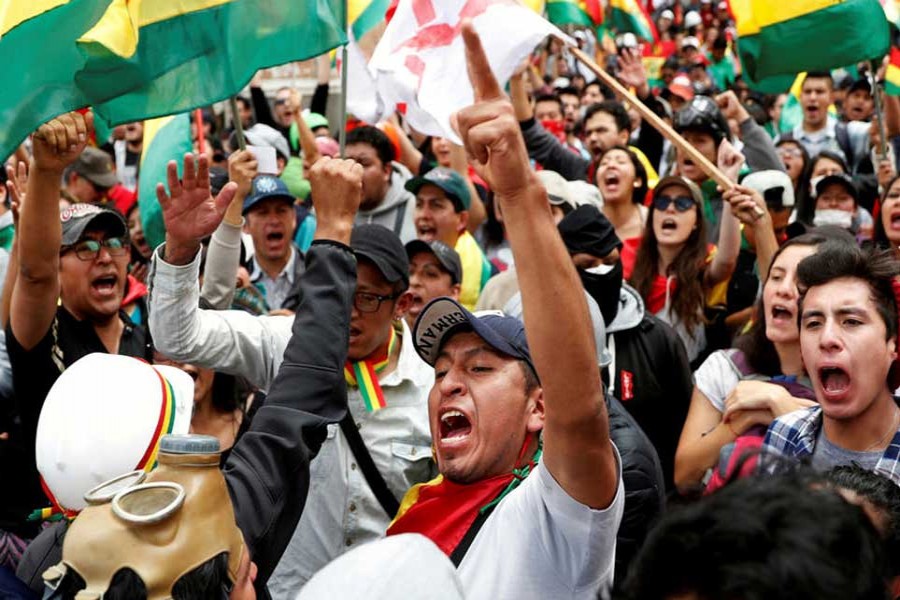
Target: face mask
(837, 218)
(603, 283)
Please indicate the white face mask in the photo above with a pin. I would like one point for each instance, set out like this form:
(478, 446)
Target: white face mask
(837, 218)
(600, 269)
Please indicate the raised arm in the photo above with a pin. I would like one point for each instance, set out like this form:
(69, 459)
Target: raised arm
(577, 449)
(57, 144)
(224, 254)
(268, 471)
(723, 264)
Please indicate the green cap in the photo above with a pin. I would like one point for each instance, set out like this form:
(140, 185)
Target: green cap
(448, 180)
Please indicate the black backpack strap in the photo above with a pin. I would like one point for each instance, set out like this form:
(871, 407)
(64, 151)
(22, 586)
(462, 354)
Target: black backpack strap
(373, 477)
(464, 544)
(842, 136)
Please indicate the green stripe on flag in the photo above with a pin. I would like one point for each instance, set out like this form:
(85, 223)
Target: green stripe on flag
(41, 57)
(165, 139)
(205, 56)
(845, 32)
(369, 18)
(566, 12)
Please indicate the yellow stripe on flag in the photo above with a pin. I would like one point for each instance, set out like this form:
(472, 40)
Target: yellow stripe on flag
(753, 15)
(15, 12)
(356, 8)
(535, 5)
(892, 74)
(151, 128)
(118, 29)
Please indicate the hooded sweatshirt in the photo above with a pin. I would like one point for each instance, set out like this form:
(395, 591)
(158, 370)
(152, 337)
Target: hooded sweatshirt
(657, 398)
(396, 210)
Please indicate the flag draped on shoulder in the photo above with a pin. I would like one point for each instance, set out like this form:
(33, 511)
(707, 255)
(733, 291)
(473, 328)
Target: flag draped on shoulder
(37, 39)
(420, 60)
(631, 15)
(147, 58)
(588, 13)
(785, 38)
(165, 139)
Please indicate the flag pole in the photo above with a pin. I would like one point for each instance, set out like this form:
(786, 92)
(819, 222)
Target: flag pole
(238, 128)
(653, 119)
(342, 132)
(879, 113)
(201, 136)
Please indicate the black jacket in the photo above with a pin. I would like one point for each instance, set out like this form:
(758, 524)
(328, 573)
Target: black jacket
(653, 382)
(268, 470)
(643, 480)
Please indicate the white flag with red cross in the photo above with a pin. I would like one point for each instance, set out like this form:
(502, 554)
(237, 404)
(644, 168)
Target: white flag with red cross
(420, 61)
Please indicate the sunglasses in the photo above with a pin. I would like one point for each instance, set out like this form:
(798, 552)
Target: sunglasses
(682, 203)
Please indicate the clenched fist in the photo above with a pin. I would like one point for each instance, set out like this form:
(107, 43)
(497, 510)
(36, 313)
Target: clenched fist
(58, 142)
(336, 192)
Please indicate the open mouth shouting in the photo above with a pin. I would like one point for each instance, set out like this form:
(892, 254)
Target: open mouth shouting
(782, 314)
(454, 427)
(105, 286)
(835, 381)
(426, 231)
(611, 181)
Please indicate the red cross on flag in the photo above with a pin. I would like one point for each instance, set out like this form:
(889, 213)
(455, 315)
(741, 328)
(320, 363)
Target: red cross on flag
(421, 60)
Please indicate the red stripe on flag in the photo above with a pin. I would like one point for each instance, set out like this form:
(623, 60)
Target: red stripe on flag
(424, 11)
(594, 10)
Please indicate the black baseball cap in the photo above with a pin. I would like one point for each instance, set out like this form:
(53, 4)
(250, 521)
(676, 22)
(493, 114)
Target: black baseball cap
(78, 217)
(444, 317)
(447, 256)
(381, 246)
(841, 179)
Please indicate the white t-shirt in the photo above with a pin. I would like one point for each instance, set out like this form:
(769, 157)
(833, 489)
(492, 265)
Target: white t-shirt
(717, 377)
(540, 543)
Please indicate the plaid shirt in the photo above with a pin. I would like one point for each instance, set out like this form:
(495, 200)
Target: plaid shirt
(794, 435)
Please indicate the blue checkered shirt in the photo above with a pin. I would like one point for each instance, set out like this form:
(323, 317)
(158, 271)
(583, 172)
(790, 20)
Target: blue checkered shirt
(794, 435)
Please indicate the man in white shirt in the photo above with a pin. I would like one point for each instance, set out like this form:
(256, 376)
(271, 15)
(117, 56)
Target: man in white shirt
(518, 522)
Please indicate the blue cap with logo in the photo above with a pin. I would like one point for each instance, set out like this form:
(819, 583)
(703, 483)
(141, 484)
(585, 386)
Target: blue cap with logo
(444, 317)
(265, 187)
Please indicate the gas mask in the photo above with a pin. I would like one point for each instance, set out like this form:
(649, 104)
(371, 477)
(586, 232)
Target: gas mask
(161, 525)
(603, 283)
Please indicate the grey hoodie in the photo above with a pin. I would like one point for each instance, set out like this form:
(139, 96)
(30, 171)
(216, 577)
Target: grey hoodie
(396, 210)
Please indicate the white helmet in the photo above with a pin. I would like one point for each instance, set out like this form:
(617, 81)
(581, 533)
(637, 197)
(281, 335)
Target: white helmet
(692, 19)
(103, 417)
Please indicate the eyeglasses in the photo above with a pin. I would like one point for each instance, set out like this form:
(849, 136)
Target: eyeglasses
(682, 203)
(369, 303)
(90, 249)
(795, 152)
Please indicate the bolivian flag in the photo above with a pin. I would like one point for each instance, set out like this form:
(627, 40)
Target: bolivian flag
(783, 38)
(630, 15)
(892, 74)
(588, 13)
(365, 15)
(37, 43)
(148, 58)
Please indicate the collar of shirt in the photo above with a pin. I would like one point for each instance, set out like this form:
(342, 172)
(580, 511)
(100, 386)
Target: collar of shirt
(814, 136)
(409, 365)
(287, 271)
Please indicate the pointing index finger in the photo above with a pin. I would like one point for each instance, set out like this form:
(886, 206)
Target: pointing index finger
(481, 77)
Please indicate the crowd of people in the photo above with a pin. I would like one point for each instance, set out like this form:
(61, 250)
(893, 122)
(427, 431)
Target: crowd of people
(557, 361)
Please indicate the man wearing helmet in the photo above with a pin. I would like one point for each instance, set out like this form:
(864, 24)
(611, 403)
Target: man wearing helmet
(703, 122)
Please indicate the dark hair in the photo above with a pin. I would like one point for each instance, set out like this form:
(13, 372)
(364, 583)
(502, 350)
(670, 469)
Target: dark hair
(604, 89)
(366, 134)
(802, 182)
(762, 538)
(638, 193)
(549, 98)
(531, 379)
(883, 495)
(836, 260)
(880, 238)
(689, 267)
(806, 203)
(758, 349)
(566, 91)
(209, 581)
(613, 108)
(820, 75)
